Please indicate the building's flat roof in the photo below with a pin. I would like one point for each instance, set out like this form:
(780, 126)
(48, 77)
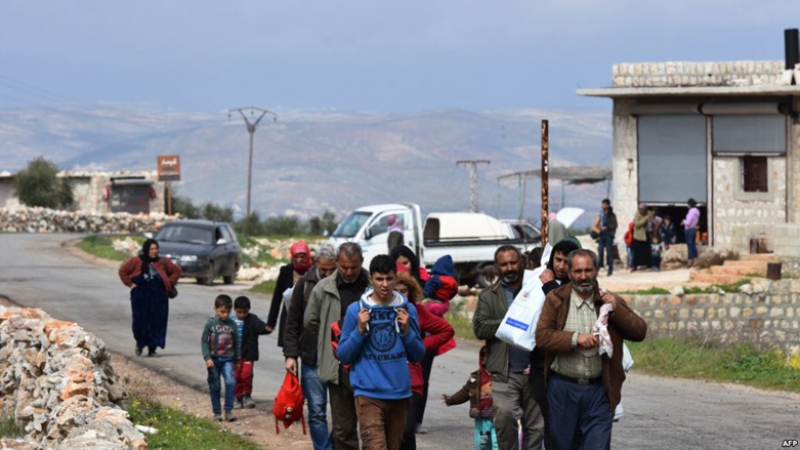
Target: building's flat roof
(722, 91)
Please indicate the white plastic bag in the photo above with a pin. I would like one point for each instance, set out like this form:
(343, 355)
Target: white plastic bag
(287, 298)
(627, 359)
(518, 327)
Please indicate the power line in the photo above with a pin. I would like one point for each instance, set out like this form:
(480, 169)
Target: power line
(251, 129)
(472, 166)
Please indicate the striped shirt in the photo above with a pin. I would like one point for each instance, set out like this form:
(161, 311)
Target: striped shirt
(580, 319)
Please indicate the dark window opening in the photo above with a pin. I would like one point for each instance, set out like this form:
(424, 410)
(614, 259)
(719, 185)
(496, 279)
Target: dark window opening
(754, 174)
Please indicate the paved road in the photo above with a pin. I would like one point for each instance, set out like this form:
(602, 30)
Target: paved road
(36, 271)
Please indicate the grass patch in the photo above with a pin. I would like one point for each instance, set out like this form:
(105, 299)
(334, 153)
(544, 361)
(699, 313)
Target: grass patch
(177, 430)
(265, 287)
(9, 429)
(102, 247)
(461, 325)
(691, 358)
(651, 291)
(730, 288)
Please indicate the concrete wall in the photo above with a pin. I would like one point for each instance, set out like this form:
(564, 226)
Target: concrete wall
(87, 190)
(766, 319)
(734, 207)
(680, 73)
(625, 184)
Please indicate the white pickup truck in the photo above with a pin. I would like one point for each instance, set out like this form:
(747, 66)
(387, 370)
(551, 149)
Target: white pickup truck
(470, 238)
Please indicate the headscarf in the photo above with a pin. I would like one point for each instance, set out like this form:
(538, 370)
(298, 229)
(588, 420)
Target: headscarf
(145, 255)
(298, 266)
(408, 253)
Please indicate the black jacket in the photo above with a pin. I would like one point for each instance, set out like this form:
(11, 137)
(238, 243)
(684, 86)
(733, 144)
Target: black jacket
(252, 329)
(297, 341)
(285, 281)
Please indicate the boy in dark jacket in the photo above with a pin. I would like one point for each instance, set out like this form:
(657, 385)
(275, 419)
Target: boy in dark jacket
(478, 392)
(221, 350)
(250, 327)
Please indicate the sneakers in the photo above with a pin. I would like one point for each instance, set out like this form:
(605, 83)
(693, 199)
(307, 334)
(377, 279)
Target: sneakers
(218, 417)
(229, 417)
(420, 429)
(248, 402)
(239, 403)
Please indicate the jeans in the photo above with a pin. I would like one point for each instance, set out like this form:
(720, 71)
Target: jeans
(606, 243)
(579, 413)
(224, 367)
(690, 234)
(316, 394)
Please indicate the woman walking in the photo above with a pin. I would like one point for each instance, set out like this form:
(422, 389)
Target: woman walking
(151, 280)
(641, 245)
(287, 278)
(690, 231)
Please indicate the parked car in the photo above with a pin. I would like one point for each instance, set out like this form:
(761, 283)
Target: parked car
(203, 249)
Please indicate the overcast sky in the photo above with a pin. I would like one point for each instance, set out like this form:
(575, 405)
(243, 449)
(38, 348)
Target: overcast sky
(384, 56)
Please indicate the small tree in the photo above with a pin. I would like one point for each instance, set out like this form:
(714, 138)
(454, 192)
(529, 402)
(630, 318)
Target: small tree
(185, 207)
(216, 213)
(39, 185)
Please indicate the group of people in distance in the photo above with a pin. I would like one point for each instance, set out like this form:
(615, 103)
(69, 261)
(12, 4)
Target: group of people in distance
(366, 340)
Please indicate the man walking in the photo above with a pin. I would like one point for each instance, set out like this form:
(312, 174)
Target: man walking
(583, 387)
(299, 342)
(327, 305)
(608, 227)
(511, 392)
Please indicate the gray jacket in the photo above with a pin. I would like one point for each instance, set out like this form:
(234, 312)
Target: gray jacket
(491, 309)
(324, 308)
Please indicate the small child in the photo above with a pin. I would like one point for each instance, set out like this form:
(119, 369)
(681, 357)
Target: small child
(250, 328)
(478, 391)
(441, 287)
(221, 350)
(655, 253)
(667, 232)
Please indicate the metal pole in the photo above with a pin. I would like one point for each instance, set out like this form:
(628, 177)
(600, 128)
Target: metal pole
(252, 131)
(472, 165)
(545, 186)
(169, 198)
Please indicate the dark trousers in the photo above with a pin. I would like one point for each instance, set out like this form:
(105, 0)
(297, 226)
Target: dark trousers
(427, 366)
(539, 391)
(606, 244)
(582, 410)
(343, 413)
(412, 419)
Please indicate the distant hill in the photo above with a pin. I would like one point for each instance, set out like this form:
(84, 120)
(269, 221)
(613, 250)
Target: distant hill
(312, 160)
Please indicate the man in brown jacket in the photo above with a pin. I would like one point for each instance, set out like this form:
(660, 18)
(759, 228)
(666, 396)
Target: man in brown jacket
(583, 387)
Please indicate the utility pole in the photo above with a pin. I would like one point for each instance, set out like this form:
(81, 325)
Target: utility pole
(472, 166)
(545, 178)
(251, 128)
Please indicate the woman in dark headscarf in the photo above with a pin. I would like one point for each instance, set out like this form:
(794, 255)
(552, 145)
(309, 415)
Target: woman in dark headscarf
(287, 278)
(405, 256)
(150, 279)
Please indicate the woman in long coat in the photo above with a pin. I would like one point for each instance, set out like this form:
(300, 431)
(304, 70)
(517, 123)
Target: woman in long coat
(150, 279)
(287, 278)
(641, 244)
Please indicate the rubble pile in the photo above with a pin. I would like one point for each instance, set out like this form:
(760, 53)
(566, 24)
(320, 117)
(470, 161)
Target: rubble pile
(58, 385)
(43, 220)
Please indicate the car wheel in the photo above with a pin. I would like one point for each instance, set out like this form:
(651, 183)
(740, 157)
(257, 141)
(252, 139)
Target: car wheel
(228, 279)
(202, 280)
(208, 280)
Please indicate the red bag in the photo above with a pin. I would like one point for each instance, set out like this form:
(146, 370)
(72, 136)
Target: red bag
(288, 405)
(628, 238)
(336, 335)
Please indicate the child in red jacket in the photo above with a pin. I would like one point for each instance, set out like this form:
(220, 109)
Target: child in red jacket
(441, 287)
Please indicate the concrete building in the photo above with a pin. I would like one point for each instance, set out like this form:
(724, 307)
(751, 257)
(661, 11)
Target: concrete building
(724, 133)
(102, 192)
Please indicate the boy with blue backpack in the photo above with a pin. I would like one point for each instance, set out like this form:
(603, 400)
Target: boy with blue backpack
(380, 336)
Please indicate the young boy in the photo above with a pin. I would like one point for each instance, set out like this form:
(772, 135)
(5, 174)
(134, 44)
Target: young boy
(655, 253)
(220, 345)
(380, 335)
(478, 392)
(250, 327)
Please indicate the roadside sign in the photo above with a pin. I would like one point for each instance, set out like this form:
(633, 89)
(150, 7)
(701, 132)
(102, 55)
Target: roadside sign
(169, 167)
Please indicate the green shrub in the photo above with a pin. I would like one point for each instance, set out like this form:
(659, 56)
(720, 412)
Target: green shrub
(39, 185)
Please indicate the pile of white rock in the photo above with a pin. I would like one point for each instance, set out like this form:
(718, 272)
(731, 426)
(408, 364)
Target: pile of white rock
(44, 220)
(57, 384)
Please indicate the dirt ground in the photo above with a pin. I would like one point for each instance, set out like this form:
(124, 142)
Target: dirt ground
(257, 425)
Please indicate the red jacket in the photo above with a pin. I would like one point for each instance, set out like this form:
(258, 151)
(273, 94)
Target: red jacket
(438, 333)
(169, 271)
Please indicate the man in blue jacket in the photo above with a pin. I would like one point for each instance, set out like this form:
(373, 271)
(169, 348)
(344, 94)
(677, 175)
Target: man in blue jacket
(380, 336)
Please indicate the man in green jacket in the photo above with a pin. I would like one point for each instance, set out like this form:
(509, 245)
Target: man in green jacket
(327, 305)
(512, 396)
